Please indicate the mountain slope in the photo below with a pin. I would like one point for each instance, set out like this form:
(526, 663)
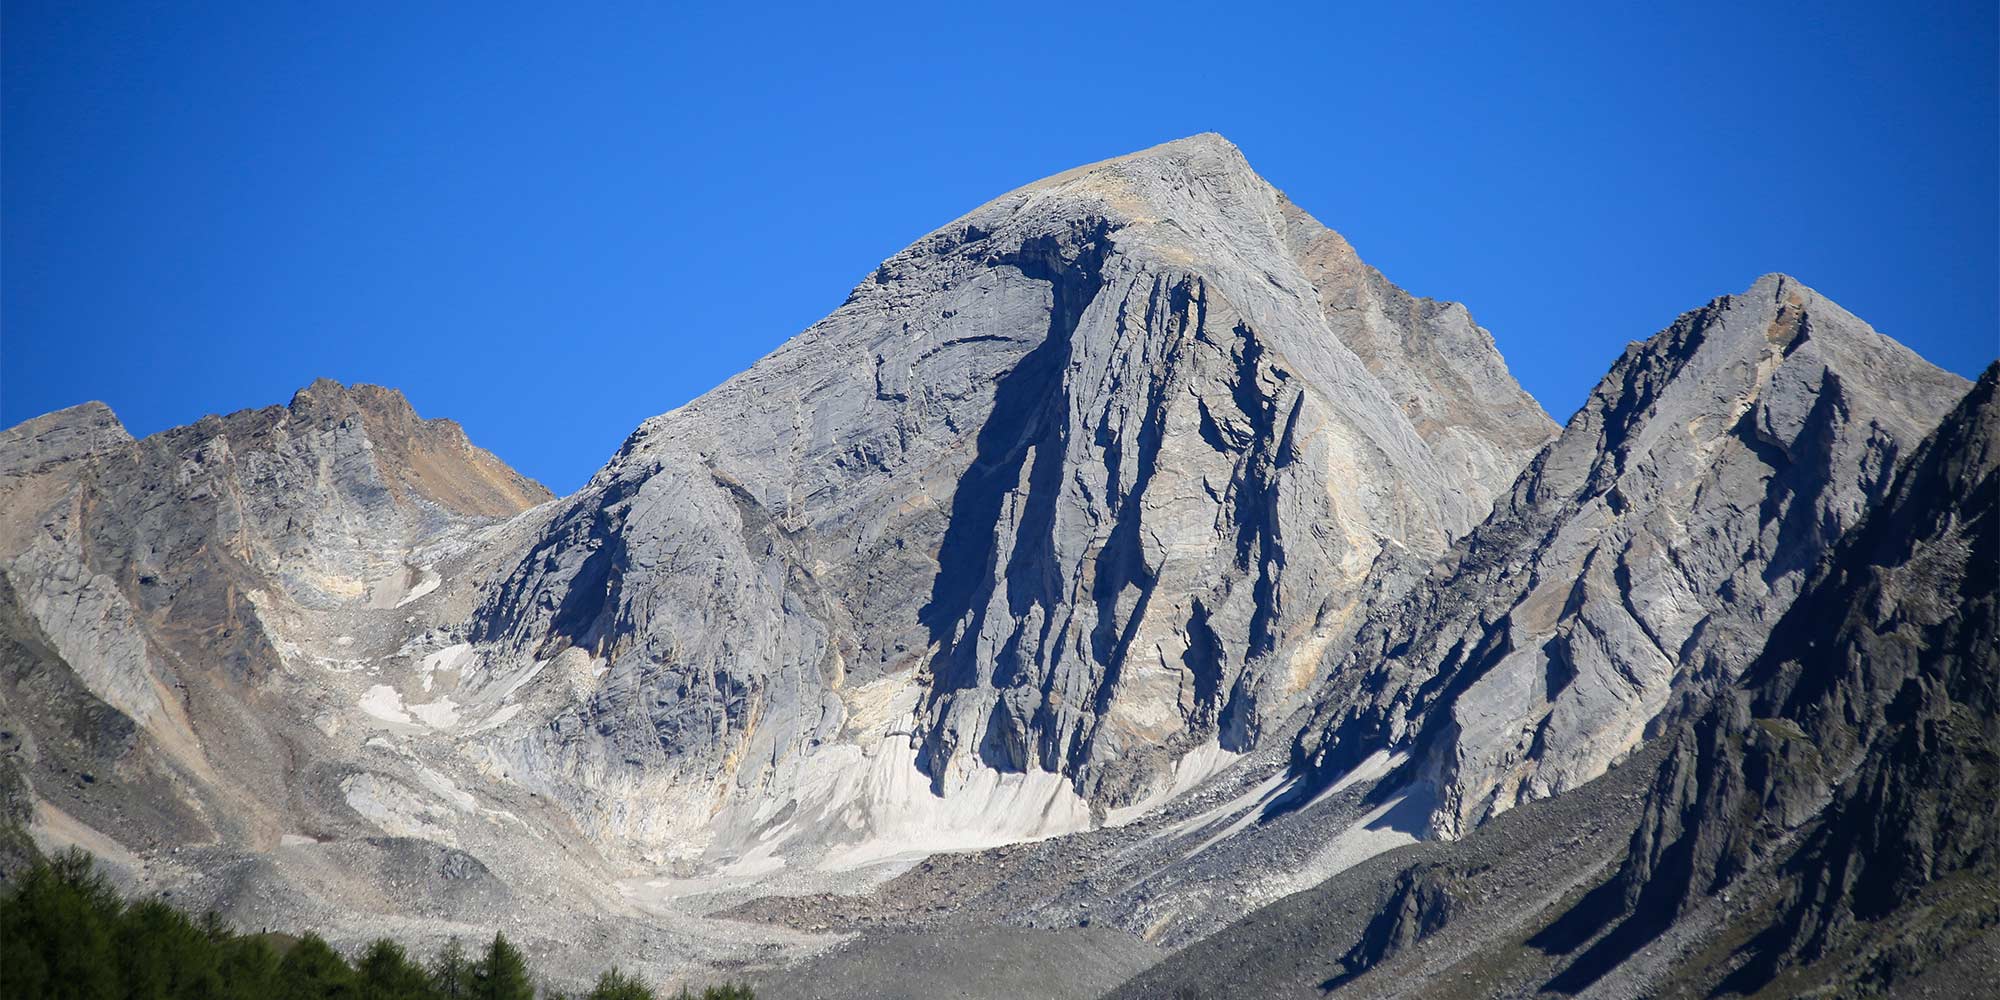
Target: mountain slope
(1129, 540)
(1639, 558)
(1857, 764)
(1072, 490)
(185, 590)
(1823, 827)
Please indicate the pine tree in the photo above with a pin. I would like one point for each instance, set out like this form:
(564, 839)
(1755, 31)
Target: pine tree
(451, 973)
(502, 974)
(727, 991)
(65, 935)
(616, 985)
(216, 929)
(386, 973)
(312, 970)
(56, 932)
(162, 955)
(249, 969)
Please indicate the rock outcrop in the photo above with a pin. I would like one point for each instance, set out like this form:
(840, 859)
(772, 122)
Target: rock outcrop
(1640, 558)
(1822, 825)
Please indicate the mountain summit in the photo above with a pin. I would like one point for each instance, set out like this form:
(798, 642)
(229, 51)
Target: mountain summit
(1068, 493)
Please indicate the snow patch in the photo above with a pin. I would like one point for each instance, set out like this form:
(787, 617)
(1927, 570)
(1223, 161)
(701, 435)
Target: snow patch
(429, 582)
(890, 800)
(1196, 766)
(439, 714)
(455, 657)
(498, 718)
(384, 703)
(446, 789)
(396, 809)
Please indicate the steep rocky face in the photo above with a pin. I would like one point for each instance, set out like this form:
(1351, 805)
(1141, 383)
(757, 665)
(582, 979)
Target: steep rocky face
(1856, 763)
(174, 578)
(1822, 826)
(1076, 484)
(1638, 559)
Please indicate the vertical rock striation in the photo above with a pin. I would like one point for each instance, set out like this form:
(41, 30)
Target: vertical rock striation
(1857, 760)
(1080, 482)
(1639, 558)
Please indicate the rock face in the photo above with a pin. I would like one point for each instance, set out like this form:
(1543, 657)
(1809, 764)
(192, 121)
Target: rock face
(1857, 762)
(165, 577)
(1639, 559)
(1823, 826)
(1075, 485)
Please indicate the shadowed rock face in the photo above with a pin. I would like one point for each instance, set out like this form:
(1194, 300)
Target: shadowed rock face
(1640, 557)
(1823, 825)
(1858, 759)
(1081, 481)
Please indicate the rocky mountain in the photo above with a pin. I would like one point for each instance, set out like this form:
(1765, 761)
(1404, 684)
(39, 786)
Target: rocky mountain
(1638, 561)
(1056, 511)
(170, 576)
(1823, 827)
(1845, 790)
(1126, 572)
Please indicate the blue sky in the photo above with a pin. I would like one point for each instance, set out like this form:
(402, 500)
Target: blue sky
(552, 221)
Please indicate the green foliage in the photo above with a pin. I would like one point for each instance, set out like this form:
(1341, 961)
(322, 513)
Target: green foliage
(451, 972)
(163, 956)
(502, 974)
(56, 932)
(249, 968)
(616, 985)
(386, 973)
(312, 970)
(66, 935)
(727, 991)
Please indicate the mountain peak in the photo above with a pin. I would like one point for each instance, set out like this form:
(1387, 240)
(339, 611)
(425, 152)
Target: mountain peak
(71, 433)
(1776, 340)
(1196, 189)
(1205, 149)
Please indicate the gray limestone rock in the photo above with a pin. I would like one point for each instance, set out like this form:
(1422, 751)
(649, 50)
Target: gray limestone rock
(1640, 557)
(173, 581)
(1091, 474)
(1856, 764)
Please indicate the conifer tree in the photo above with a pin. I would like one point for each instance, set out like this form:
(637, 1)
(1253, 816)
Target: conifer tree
(312, 970)
(56, 932)
(451, 972)
(66, 935)
(502, 974)
(249, 969)
(386, 973)
(162, 955)
(616, 985)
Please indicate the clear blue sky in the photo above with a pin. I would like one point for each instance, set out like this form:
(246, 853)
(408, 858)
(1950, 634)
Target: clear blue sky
(553, 221)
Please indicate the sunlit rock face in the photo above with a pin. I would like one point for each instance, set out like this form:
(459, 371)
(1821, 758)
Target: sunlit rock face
(1083, 481)
(197, 591)
(1640, 558)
